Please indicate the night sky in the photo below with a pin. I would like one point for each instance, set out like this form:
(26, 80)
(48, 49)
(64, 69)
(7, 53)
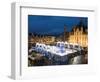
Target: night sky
(52, 24)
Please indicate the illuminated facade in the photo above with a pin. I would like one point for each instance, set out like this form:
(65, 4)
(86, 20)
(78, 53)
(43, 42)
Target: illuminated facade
(79, 35)
(41, 39)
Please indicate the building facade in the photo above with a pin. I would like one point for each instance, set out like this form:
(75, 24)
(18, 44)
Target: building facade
(41, 39)
(79, 35)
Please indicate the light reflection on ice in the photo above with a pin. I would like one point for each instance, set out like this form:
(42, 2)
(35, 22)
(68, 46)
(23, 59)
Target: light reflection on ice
(59, 49)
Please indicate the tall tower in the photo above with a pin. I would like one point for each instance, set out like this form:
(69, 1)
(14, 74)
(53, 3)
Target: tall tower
(64, 36)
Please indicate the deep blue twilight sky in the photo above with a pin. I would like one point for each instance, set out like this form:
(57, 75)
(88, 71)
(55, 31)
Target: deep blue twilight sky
(52, 24)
